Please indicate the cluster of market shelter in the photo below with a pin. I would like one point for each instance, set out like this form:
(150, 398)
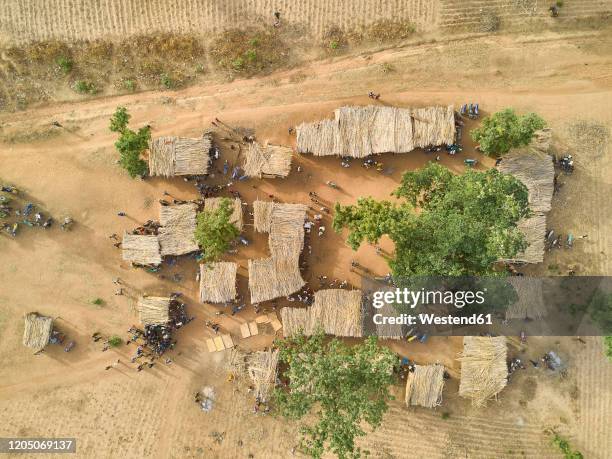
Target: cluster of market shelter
(353, 132)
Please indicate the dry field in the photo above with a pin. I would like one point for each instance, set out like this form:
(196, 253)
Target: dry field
(564, 76)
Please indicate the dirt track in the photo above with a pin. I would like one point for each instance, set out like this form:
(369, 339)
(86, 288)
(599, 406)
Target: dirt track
(131, 414)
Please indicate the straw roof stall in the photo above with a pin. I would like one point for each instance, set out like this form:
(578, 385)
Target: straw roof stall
(267, 161)
(170, 156)
(537, 172)
(424, 386)
(484, 372)
(338, 312)
(37, 331)
(218, 282)
(362, 131)
(153, 310)
(176, 233)
(141, 249)
(534, 229)
(212, 204)
(278, 275)
(261, 367)
(530, 302)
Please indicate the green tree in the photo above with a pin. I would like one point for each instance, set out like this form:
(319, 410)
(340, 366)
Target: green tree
(343, 386)
(464, 223)
(505, 130)
(131, 144)
(214, 230)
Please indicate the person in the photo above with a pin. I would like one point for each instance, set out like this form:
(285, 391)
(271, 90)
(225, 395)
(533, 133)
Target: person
(121, 214)
(374, 96)
(116, 280)
(119, 291)
(56, 124)
(277, 19)
(554, 11)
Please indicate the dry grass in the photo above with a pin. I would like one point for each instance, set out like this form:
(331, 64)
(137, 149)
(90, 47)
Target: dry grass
(388, 30)
(248, 52)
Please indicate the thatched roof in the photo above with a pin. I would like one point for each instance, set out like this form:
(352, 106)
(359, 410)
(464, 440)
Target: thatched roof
(278, 275)
(218, 282)
(424, 386)
(484, 372)
(362, 131)
(170, 156)
(537, 172)
(534, 229)
(270, 278)
(212, 204)
(141, 249)
(261, 367)
(37, 331)
(176, 233)
(269, 160)
(530, 302)
(153, 310)
(338, 312)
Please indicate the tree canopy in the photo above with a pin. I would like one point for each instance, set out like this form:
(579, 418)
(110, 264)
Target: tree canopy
(445, 224)
(214, 231)
(505, 130)
(131, 144)
(341, 385)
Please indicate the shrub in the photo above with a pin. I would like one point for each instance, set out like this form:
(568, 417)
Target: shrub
(167, 81)
(130, 85)
(130, 144)
(115, 341)
(65, 64)
(214, 231)
(334, 44)
(97, 301)
(566, 449)
(85, 87)
(608, 346)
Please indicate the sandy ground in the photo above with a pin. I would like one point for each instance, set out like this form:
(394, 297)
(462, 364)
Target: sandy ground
(566, 78)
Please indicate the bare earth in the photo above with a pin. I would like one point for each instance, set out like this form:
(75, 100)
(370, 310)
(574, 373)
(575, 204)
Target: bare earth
(567, 78)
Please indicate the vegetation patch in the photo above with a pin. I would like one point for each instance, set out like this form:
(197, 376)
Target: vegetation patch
(131, 144)
(248, 52)
(214, 231)
(335, 41)
(565, 447)
(387, 30)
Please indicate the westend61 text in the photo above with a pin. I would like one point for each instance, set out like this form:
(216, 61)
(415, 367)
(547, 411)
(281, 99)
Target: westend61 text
(432, 319)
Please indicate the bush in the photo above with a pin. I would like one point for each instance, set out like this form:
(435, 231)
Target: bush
(85, 87)
(130, 144)
(608, 347)
(505, 130)
(130, 85)
(167, 81)
(566, 449)
(334, 44)
(115, 341)
(98, 301)
(65, 64)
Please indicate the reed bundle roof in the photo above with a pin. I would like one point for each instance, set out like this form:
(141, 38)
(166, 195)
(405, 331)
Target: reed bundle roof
(170, 156)
(484, 372)
(424, 386)
(212, 204)
(176, 233)
(37, 331)
(218, 282)
(267, 161)
(362, 131)
(537, 173)
(261, 367)
(154, 310)
(279, 275)
(338, 312)
(141, 249)
(534, 229)
(530, 302)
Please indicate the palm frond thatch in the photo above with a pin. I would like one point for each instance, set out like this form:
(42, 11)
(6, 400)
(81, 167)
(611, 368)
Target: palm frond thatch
(170, 156)
(424, 386)
(218, 282)
(362, 131)
(484, 372)
(261, 367)
(338, 312)
(530, 303)
(176, 233)
(141, 249)
(37, 331)
(534, 229)
(212, 204)
(153, 310)
(267, 161)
